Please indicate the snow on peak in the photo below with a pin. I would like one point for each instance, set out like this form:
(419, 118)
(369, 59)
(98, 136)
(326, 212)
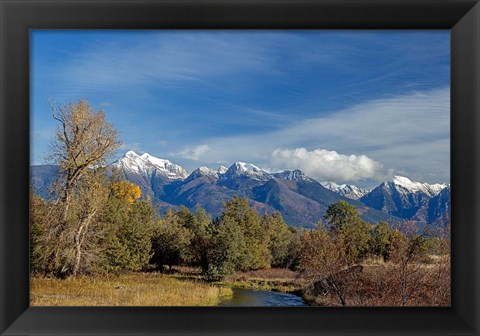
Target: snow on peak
(156, 161)
(147, 164)
(292, 175)
(413, 187)
(131, 153)
(202, 171)
(330, 185)
(222, 170)
(206, 170)
(247, 169)
(346, 190)
(406, 182)
(131, 160)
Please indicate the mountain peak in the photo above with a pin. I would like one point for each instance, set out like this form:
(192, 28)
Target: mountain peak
(222, 170)
(246, 166)
(347, 190)
(404, 182)
(202, 171)
(247, 169)
(292, 175)
(148, 164)
(413, 187)
(130, 153)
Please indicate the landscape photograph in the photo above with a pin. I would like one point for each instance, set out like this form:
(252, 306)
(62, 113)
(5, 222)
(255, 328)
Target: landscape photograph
(228, 168)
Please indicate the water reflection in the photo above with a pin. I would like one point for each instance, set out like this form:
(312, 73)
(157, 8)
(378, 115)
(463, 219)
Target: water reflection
(253, 298)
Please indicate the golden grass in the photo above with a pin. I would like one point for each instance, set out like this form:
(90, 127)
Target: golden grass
(136, 289)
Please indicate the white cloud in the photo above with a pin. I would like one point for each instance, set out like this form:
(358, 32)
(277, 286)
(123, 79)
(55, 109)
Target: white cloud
(194, 153)
(328, 165)
(409, 132)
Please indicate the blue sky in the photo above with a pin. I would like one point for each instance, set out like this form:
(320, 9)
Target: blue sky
(345, 106)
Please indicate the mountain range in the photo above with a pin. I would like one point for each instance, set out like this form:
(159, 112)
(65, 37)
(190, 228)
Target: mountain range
(299, 198)
(421, 202)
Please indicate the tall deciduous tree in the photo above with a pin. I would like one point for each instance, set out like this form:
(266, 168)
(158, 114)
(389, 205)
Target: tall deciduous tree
(322, 258)
(82, 143)
(408, 249)
(83, 139)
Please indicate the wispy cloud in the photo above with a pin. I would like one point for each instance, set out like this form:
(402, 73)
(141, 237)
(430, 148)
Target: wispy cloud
(163, 59)
(201, 57)
(194, 153)
(408, 132)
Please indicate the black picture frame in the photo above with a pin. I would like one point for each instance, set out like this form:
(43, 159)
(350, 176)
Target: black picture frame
(18, 17)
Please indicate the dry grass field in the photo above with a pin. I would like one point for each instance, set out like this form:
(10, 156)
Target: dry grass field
(382, 283)
(136, 289)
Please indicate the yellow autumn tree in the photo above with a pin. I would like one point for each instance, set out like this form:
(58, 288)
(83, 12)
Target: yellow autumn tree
(127, 190)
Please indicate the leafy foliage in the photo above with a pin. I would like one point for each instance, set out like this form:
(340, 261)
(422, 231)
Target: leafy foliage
(381, 242)
(170, 240)
(130, 227)
(346, 224)
(280, 239)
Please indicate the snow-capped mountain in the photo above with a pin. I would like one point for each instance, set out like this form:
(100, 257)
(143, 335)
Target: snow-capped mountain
(202, 171)
(239, 169)
(407, 199)
(346, 190)
(148, 164)
(150, 173)
(412, 187)
(438, 209)
(292, 175)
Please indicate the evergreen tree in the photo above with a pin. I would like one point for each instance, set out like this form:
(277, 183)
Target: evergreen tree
(345, 223)
(253, 251)
(131, 223)
(38, 241)
(280, 238)
(201, 244)
(228, 246)
(170, 241)
(381, 240)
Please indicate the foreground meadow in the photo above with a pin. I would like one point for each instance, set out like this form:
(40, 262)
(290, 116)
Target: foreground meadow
(136, 289)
